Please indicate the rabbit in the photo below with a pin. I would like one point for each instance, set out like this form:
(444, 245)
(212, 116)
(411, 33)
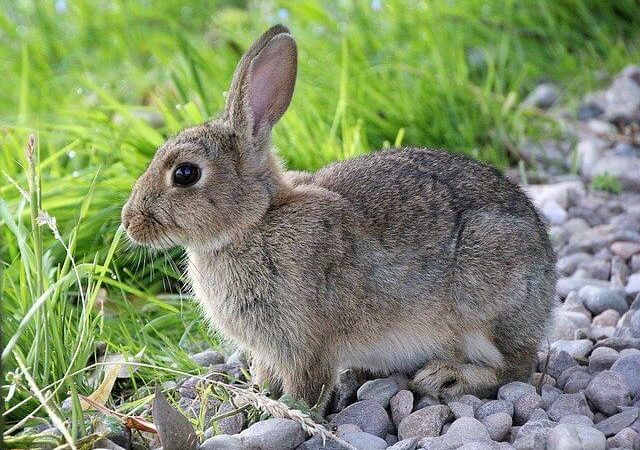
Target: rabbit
(403, 261)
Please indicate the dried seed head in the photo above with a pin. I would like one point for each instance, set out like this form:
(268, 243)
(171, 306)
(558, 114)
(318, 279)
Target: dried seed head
(30, 150)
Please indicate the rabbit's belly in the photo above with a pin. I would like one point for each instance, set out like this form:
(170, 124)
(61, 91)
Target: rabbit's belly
(393, 352)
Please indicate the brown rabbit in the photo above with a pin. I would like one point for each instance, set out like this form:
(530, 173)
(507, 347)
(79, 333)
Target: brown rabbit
(406, 260)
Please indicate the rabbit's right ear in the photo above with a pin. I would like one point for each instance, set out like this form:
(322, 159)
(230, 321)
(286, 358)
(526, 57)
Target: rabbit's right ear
(263, 84)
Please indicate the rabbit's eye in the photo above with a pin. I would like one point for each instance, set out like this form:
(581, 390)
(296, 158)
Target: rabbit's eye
(186, 174)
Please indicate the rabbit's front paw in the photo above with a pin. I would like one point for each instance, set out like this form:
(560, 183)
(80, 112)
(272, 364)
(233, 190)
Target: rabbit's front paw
(448, 381)
(439, 379)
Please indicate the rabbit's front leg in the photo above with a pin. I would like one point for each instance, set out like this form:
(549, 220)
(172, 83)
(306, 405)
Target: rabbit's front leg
(262, 375)
(312, 383)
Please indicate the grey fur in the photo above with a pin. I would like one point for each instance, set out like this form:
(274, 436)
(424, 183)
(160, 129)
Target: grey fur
(405, 260)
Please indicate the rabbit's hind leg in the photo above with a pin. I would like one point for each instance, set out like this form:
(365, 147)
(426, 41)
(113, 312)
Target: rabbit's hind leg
(448, 380)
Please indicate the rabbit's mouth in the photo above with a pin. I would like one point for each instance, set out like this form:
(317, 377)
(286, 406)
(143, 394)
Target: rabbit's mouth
(145, 229)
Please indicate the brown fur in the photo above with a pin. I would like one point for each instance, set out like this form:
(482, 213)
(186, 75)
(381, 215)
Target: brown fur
(406, 260)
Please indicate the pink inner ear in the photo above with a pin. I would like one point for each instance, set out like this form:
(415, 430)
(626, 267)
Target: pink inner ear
(271, 81)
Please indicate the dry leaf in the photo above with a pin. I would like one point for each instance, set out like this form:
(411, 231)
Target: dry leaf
(102, 394)
(174, 429)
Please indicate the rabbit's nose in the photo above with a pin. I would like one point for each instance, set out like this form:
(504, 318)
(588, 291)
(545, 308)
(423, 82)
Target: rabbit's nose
(125, 217)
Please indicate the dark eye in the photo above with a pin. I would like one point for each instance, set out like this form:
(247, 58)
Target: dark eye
(186, 174)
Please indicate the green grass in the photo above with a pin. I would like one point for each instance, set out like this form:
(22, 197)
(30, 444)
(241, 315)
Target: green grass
(102, 84)
(607, 183)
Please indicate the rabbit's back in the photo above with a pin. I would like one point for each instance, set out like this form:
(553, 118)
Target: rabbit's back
(406, 197)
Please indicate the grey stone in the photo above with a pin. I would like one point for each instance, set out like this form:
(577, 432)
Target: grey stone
(616, 423)
(539, 414)
(619, 272)
(391, 439)
(549, 395)
(369, 415)
(589, 151)
(543, 96)
(629, 367)
(608, 390)
(462, 431)
(459, 409)
(634, 322)
(575, 348)
(471, 400)
(208, 358)
(566, 285)
(635, 263)
(401, 406)
(625, 249)
(597, 269)
(633, 285)
(600, 333)
(524, 405)
(498, 425)
(608, 318)
(492, 407)
(567, 265)
(598, 299)
(554, 213)
(574, 379)
(533, 435)
(588, 111)
(188, 387)
(365, 441)
(627, 438)
(222, 442)
(599, 417)
(569, 404)
(381, 390)
(568, 323)
(232, 424)
(273, 434)
(602, 358)
(511, 391)
(622, 101)
(577, 419)
(423, 423)
(477, 446)
(405, 444)
(317, 443)
(558, 363)
(575, 437)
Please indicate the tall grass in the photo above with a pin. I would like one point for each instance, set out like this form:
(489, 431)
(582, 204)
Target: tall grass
(103, 83)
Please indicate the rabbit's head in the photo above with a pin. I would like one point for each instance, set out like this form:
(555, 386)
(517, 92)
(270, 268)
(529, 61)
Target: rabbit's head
(209, 183)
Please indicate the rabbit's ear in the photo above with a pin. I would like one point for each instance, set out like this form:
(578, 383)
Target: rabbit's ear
(263, 83)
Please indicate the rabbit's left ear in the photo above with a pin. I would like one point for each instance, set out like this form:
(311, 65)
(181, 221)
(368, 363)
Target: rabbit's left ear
(263, 83)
